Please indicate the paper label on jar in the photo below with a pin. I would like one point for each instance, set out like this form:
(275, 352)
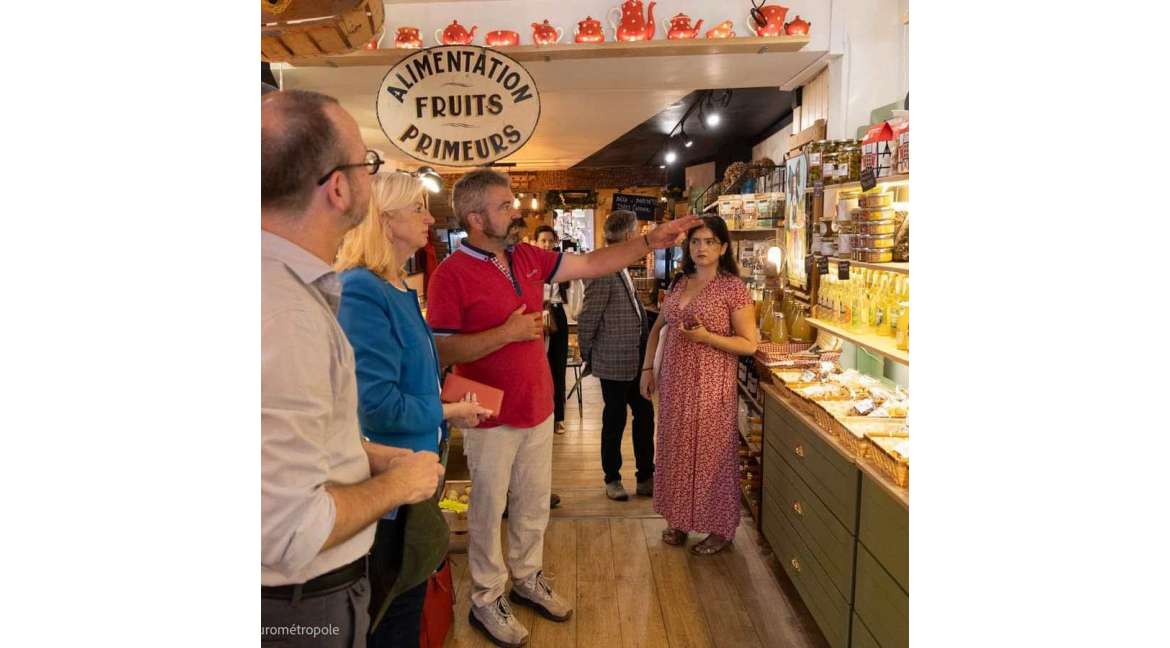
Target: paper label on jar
(829, 170)
(814, 159)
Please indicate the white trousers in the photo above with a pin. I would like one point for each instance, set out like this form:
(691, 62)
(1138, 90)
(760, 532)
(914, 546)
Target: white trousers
(511, 466)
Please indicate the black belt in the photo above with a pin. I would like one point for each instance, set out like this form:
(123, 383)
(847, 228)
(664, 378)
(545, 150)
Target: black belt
(326, 583)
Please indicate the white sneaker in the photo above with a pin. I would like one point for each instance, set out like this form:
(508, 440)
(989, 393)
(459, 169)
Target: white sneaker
(535, 592)
(498, 623)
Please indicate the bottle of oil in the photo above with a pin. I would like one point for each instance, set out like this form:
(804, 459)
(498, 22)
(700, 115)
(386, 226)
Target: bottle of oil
(879, 305)
(894, 309)
(902, 338)
(767, 319)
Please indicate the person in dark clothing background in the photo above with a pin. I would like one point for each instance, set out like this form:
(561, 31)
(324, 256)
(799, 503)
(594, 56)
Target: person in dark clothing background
(558, 338)
(612, 329)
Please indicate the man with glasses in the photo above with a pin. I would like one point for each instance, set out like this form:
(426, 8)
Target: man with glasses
(322, 488)
(485, 305)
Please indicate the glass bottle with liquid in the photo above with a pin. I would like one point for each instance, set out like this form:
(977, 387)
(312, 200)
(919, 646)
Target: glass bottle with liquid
(893, 306)
(902, 338)
(779, 327)
(767, 316)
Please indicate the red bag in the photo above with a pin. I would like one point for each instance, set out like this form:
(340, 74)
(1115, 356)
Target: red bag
(438, 608)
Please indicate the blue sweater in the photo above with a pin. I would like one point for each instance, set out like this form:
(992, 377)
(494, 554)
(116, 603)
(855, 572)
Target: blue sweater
(397, 364)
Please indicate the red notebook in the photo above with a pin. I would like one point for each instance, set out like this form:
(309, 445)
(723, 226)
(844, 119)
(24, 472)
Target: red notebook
(456, 386)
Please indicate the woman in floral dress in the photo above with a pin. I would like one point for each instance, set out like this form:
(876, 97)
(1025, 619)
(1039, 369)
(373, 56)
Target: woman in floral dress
(707, 320)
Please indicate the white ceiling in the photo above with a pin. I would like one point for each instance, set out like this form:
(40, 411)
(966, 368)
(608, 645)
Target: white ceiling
(585, 103)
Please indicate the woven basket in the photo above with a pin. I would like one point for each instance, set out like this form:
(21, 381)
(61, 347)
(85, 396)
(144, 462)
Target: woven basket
(896, 468)
(314, 28)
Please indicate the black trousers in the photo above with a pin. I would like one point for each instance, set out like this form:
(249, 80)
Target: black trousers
(558, 357)
(619, 394)
(401, 625)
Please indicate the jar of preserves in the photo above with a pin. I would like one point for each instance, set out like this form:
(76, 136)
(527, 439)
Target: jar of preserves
(876, 214)
(886, 227)
(815, 152)
(872, 255)
(849, 162)
(846, 203)
(829, 161)
(875, 200)
(875, 241)
(844, 243)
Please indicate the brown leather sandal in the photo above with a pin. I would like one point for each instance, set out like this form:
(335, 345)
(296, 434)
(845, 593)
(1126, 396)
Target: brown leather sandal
(674, 537)
(712, 544)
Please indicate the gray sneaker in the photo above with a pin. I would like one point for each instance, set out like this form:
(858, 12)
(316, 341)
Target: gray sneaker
(645, 488)
(498, 623)
(615, 491)
(535, 592)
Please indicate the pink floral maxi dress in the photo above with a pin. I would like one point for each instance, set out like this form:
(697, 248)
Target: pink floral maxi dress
(696, 477)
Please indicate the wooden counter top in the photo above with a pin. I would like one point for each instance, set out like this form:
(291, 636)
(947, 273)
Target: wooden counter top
(898, 493)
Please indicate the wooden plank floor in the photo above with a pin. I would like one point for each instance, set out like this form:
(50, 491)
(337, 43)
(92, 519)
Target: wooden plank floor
(628, 588)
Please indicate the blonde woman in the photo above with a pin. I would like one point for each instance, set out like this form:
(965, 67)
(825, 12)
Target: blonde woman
(398, 393)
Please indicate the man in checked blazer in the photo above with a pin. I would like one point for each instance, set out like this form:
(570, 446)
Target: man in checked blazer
(612, 331)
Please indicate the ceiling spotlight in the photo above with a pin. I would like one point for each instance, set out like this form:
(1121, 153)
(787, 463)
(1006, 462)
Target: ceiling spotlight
(689, 143)
(713, 119)
(661, 166)
(429, 179)
(671, 157)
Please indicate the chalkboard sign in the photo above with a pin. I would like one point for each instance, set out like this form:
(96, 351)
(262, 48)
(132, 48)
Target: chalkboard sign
(822, 265)
(843, 270)
(868, 181)
(642, 206)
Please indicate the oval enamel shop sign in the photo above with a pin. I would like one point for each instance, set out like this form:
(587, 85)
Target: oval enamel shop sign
(458, 105)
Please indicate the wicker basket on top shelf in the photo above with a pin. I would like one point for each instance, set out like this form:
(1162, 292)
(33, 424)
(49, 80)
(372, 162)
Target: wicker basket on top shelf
(312, 28)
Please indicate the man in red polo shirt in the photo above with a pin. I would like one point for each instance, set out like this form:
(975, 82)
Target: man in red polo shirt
(484, 303)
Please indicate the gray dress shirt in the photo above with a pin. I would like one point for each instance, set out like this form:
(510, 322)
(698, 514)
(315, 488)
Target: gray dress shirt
(309, 431)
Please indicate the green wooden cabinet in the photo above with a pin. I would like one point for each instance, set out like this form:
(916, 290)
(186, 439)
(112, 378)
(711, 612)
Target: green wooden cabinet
(880, 602)
(884, 529)
(861, 635)
(827, 539)
(831, 475)
(830, 610)
(842, 537)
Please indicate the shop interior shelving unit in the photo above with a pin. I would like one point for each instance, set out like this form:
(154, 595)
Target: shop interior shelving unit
(879, 344)
(570, 51)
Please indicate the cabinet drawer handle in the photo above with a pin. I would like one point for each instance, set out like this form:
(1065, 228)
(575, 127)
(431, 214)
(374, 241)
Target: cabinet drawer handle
(796, 564)
(798, 451)
(796, 507)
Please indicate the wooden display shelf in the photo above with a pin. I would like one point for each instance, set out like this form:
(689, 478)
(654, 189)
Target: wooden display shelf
(751, 446)
(876, 343)
(568, 51)
(752, 505)
(900, 177)
(754, 230)
(900, 268)
(753, 403)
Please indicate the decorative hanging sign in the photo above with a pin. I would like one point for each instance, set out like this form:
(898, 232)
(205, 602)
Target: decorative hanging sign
(458, 105)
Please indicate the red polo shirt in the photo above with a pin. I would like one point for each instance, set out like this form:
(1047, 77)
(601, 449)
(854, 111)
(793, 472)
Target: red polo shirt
(470, 293)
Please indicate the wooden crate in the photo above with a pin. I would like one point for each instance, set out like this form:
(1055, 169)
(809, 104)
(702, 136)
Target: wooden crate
(316, 28)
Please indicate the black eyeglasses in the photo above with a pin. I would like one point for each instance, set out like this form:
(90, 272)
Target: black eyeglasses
(372, 161)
